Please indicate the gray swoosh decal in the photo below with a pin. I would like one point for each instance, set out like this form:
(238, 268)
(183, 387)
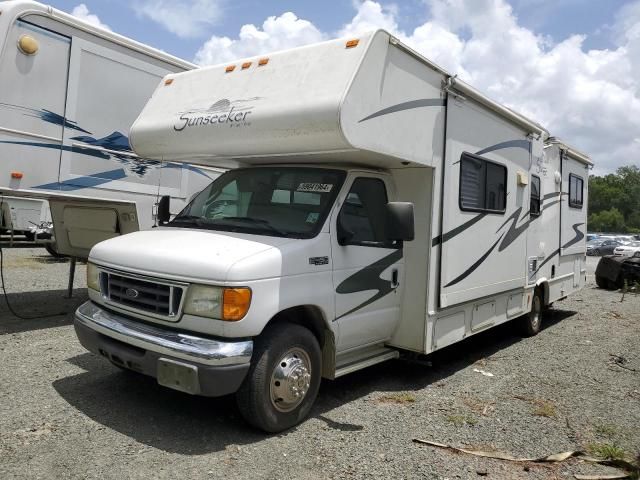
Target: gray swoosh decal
(369, 279)
(423, 102)
(509, 144)
(458, 230)
(470, 270)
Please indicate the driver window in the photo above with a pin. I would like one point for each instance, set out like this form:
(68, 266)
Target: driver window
(362, 217)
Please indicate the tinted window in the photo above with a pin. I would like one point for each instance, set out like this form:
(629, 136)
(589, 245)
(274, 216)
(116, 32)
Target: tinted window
(534, 208)
(576, 185)
(362, 217)
(483, 184)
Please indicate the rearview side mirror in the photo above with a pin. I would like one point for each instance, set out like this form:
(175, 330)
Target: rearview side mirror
(400, 222)
(164, 215)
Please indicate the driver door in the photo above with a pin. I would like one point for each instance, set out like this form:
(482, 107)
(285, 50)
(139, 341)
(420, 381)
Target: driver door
(367, 267)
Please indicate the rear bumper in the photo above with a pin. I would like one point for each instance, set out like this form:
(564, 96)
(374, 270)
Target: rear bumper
(217, 367)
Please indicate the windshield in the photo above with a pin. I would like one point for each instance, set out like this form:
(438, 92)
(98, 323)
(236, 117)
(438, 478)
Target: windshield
(275, 201)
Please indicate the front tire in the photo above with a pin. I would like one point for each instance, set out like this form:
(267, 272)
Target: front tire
(283, 380)
(530, 323)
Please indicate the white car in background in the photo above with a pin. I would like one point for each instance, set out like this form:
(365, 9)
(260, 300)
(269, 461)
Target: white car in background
(631, 249)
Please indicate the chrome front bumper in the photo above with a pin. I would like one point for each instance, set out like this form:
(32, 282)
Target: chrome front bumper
(164, 341)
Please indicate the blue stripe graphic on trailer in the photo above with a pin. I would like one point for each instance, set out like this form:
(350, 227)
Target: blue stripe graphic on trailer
(47, 116)
(88, 181)
(423, 102)
(57, 146)
(114, 141)
(509, 144)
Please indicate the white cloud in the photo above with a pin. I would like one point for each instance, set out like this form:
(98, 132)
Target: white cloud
(590, 98)
(82, 12)
(184, 18)
(277, 33)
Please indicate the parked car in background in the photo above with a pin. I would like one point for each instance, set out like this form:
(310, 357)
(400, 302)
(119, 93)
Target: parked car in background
(631, 249)
(602, 246)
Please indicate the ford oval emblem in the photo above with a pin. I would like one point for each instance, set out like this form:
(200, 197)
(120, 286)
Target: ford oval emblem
(131, 293)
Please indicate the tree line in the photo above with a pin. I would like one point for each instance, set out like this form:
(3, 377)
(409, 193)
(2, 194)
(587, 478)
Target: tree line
(614, 201)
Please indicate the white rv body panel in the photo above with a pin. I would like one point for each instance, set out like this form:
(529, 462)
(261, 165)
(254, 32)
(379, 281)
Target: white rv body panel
(372, 123)
(65, 114)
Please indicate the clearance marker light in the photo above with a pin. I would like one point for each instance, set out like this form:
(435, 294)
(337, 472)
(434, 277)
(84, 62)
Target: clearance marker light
(262, 62)
(246, 65)
(352, 43)
(17, 175)
(168, 81)
(230, 68)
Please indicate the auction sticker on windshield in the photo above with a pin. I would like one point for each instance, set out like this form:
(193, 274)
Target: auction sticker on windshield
(315, 187)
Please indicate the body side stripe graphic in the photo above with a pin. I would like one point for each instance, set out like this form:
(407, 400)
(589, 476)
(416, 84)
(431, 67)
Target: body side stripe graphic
(423, 102)
(368, 278)
(478, 262)
(508, 144)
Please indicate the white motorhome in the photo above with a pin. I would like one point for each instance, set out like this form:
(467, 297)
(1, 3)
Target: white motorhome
(382, 207)
(69, 93)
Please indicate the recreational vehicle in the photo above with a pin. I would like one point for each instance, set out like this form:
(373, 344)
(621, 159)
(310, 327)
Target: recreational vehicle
(69, 93)
(381, 207)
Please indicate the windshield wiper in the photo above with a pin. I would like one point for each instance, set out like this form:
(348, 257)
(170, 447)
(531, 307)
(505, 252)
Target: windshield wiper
(189, 220)
(261, 222)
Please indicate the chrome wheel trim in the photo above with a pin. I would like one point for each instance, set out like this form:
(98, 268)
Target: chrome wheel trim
(290, 380)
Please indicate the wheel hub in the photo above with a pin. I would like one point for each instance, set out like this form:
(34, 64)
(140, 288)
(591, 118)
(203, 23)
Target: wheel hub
(290, 380)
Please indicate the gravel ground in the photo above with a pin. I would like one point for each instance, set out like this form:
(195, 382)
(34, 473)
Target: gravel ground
(65, 413)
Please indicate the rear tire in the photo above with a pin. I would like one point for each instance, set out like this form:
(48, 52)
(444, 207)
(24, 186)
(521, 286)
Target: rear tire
(531, 322)
(602, 282)
(283, 380)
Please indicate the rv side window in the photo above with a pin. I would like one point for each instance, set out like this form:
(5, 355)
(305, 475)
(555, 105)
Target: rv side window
(534, 208)
(483, 185)
(362, 215)
(576, 185)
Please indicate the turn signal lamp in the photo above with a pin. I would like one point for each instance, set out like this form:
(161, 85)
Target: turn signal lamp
(230, 68)
(235, 303)
(352, 43)
(17, 175)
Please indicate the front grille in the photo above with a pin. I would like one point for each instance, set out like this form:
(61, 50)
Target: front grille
(141, 294)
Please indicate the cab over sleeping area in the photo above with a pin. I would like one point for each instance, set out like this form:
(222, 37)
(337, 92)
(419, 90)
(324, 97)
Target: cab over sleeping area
(375, 206)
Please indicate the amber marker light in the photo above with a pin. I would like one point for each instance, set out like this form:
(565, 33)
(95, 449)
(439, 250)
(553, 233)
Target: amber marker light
(230, 68)
(352, 43)
(262, 62)
(168, 81)
(17, 175)
(246, 65)
(235, 303)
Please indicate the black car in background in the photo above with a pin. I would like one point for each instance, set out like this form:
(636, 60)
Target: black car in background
(600, 247)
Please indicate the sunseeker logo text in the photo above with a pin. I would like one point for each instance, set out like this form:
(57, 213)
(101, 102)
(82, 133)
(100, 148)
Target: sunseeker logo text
(222, 113)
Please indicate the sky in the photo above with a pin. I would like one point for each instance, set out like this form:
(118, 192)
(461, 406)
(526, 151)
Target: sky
(571, 65)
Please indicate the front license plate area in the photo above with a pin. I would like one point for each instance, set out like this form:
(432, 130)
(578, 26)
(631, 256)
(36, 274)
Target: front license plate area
(178, 375)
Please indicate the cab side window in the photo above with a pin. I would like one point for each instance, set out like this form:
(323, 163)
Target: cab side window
(362, 218)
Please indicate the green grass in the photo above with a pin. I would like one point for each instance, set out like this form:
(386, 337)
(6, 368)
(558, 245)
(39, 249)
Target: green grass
(460, 420)
(607, 451)
(398, 398)
(544, 408)
(606, 430)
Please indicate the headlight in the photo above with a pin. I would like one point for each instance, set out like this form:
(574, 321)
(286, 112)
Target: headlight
(204, 300)
(230, 304)
(93, 277)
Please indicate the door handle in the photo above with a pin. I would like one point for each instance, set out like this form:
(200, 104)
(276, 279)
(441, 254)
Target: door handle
(394, 278)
